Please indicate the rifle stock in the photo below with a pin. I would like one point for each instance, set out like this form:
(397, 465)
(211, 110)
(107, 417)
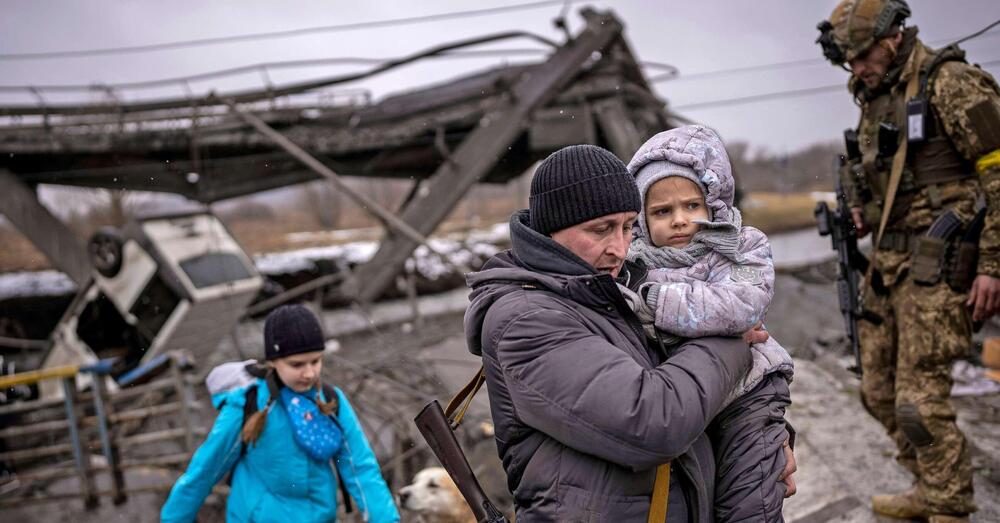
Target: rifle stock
(434, 427)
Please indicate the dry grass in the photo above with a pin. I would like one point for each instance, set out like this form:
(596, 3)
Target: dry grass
(777, 212)
(19, 254)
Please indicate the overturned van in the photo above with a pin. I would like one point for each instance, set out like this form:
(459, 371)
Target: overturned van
(165, 282)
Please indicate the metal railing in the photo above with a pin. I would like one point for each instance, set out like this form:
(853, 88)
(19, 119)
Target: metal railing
(37, 435)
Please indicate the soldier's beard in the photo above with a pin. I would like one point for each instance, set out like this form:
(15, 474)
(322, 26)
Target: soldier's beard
(873, 80)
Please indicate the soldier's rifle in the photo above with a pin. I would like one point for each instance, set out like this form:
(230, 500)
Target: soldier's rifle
(839, 225)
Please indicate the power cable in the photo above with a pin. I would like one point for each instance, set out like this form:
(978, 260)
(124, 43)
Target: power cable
(248, 96)
(737, 70)
(759, 97)
(804, 61)
(775, 95)
(977, 33)
(671, 74)
(282, 34)
(265, 66)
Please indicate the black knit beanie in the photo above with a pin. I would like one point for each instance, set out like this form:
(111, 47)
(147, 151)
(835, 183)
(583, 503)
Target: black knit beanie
(580, 183)
(291, 329)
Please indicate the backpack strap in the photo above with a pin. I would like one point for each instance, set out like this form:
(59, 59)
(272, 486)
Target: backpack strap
(331, 396)
(249, 408)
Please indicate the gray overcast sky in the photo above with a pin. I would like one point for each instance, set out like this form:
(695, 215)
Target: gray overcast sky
(696, 37)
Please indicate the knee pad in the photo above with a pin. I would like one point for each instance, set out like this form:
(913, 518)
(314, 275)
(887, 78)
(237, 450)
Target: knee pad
(912, 425)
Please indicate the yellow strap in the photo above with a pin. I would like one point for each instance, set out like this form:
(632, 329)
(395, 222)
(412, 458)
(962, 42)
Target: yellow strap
(459, 404)
(990, 160)
(34, 376)
(661, 495)
(898, 161)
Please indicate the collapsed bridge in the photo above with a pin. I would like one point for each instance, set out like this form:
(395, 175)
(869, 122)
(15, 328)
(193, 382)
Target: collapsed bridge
(180, 283)
(486, 127)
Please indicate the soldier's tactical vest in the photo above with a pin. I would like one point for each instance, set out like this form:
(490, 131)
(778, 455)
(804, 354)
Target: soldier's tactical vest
(931, 161)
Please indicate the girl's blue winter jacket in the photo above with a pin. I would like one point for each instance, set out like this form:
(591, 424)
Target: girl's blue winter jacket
(275, 480)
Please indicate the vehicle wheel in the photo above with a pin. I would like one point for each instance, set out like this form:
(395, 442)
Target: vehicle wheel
(105, 251)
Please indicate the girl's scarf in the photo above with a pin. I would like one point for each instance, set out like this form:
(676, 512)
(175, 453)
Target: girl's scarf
(721, 237)
(315, 432)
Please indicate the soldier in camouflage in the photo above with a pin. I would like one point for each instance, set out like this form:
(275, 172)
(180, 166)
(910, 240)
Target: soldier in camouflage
(930, 296)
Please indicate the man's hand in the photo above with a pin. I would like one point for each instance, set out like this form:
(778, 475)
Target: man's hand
(756, 335)
(984, 298)
(790, 468)
(859, 221)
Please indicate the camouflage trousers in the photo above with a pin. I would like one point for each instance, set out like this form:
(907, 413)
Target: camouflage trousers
(906, 363)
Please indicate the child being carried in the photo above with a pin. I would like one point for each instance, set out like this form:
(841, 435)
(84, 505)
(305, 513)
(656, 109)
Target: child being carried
(711, 276)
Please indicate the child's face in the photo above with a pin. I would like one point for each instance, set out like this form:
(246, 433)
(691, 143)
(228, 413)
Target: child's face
(672, 205)
(300, 372)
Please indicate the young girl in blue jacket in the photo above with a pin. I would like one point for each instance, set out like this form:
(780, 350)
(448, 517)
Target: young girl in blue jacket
(283, 456)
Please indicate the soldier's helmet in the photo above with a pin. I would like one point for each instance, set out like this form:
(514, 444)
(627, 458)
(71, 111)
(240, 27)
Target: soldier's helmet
(855, 25)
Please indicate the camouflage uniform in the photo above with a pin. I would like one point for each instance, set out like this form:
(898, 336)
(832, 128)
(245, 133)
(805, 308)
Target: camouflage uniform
(906, 361)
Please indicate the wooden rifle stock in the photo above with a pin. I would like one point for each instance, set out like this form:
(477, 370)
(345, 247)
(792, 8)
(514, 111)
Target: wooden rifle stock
(435, 429)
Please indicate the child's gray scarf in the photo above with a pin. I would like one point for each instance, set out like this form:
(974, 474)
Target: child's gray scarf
(721, 237)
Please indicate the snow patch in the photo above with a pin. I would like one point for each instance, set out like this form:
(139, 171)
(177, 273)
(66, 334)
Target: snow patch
(35, 283)
(463, 249)
(305, 259)
(468, 249)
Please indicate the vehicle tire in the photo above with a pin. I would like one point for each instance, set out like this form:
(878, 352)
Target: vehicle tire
(105, 251)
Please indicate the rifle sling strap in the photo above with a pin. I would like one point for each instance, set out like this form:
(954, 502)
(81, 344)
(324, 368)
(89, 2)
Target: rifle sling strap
(898, 161)
(462, 400)
(661, 494)
(460, 403)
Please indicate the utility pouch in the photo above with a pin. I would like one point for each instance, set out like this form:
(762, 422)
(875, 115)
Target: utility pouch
(964, 269)
(888, 139)
(931, 255)
(928, 260)
(852, 145)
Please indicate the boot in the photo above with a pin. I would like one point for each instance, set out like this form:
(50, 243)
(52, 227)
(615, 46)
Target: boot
(905, 505)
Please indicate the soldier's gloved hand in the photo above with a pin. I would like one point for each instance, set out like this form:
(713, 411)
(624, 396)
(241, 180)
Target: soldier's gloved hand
(984, 298)
(637, 304)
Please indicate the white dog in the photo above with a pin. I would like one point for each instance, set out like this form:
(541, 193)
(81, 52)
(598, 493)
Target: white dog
(435, 498)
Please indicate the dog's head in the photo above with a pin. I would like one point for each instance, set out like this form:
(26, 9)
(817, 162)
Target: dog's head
(434, 496)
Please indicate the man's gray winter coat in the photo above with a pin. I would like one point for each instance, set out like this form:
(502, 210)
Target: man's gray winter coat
(584, 410)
